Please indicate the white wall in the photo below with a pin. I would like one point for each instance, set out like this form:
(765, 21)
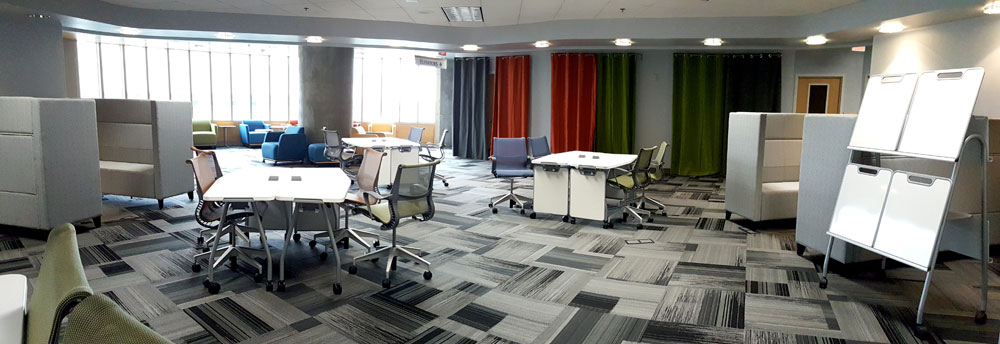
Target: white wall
(31, 57)
(958, 44)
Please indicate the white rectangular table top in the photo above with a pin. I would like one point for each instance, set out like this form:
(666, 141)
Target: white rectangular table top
(12, 308)
(581, 158)
(329, 185)
(371, 142)
(247, 184)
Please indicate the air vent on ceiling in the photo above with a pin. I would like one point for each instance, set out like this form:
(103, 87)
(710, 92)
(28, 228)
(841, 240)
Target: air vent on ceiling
(463, 13)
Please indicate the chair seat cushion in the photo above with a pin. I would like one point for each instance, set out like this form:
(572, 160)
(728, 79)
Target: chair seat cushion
(406, 209)
(779, 200)
(625, 181)
(515, 173)
(269, 150)
(204, 138)
(127, 178)
(358, 197)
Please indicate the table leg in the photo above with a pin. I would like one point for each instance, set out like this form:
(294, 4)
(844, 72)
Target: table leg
(263, 239)
(214, 287)
(337, 289)
(288, 237)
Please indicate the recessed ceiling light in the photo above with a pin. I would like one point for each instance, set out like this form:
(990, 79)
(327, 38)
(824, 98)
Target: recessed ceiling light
(891, 27)
(859, 48)
(816, 40)
(38, 16)
(542, 44)
(463, 13)
(315, 39)
(225, 35)
(992, 8)
(713, 42)
(470, 47)
(623, 42)
(129, 31)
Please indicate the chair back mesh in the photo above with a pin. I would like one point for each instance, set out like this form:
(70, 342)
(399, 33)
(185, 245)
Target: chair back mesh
(641, 167)
(333, 145)
(444, 136)
(415, 134)
(510, 153)
(661, 152)
(539, 146)
(371, 163)
(412, 189)
(206, 170)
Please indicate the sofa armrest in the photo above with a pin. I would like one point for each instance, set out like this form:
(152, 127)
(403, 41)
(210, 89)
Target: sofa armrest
(267, 126)
(215, 129)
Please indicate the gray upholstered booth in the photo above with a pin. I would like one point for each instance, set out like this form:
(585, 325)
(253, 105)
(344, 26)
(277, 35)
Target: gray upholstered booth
(143, 146)
(762, 165)
(49, 173)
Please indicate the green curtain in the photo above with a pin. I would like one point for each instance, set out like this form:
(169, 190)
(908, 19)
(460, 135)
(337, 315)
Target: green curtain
(698, 123)
(615, 120)
(707, 87)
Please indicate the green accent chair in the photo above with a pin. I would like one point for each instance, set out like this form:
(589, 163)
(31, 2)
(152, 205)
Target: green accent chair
(61, 285)
(206, 133)
(98, 319)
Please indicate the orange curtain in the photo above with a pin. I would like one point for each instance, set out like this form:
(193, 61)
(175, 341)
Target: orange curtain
(511, 96)
(574, 101)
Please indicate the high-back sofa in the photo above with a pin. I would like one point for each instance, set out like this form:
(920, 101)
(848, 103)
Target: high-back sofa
(762, 165)
(143, 146)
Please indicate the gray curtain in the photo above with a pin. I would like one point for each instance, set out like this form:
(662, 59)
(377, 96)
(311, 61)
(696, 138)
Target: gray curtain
(469, 122)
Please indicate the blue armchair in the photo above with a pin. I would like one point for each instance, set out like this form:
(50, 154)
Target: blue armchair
(291, 145)
(248, 137)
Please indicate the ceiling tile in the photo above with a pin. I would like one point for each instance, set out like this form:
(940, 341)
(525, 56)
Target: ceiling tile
(335, 6)
(449, 3)
(501, 12)
(376, 4)
(418, 3)
(581, 9)
(538, 10)
(427, 15)
(391, 14)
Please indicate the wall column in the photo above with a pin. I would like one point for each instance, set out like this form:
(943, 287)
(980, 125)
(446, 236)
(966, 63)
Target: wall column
(326, 81)
(31, 56)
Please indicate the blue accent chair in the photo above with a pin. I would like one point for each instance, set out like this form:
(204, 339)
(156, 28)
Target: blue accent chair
(291, 145)
(248, 137)
(510, 161)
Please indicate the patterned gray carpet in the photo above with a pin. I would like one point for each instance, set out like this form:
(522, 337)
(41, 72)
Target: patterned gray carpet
(506, 278)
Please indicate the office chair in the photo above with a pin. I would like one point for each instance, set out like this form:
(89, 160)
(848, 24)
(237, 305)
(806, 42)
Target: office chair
(367, 180)
(99, 319)
(632, 184)
(539, 146)
(337, 151)
(656, 175)
(430, 147)
(412, 193)
(510, 160)
(415, 134)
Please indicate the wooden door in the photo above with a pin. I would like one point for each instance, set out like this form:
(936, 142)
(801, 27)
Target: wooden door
(818, 94)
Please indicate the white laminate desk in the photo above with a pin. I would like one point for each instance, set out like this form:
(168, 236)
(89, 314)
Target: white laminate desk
(12, 308)
(582, 192)
(398, 151)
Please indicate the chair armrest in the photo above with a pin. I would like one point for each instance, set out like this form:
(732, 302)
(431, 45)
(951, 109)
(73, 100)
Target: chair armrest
(244, 129)
(267, 126)
(215, 128)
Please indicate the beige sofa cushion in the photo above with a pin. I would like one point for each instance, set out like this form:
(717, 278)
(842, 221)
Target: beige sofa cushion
(126, 178)
(779, 200)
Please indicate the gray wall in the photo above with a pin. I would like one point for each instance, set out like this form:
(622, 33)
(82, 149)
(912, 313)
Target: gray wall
(31, 57)
(840, 62)
(326, 76)
(958, 44)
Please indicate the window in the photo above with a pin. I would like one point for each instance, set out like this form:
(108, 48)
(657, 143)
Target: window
(390, 87)
(224, 81)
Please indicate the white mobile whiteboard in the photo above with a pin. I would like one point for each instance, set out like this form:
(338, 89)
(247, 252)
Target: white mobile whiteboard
(912, 217)
(940, 112)
(883, 112)
(859, 204)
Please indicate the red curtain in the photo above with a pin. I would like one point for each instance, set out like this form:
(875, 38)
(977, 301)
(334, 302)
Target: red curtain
(574, 101)
(511, 97)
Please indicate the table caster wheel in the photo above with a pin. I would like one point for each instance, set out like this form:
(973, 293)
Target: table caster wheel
(347, 243)
(921, 331)
(214, 288)
(605, 225)
(337, 289)
(297, 237)
(494, 210)
(980, 317)
(281, 286)
(269, 286)
(201, 241)
(323, 256)
(823, 282)
(445, 184)
(565, 218)
(196, 267)
(532, 216)
(428, 275)
(523, 212)
(572, 221)
(638, 226)
(260, 277)
(353, 270)
(206, 283)
(511, 204)
(312, 243)
(490, 205)
(393, 264)
(386, 283)
(377, 244)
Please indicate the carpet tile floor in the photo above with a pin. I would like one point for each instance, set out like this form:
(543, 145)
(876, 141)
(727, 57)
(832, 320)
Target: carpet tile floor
(504, 278)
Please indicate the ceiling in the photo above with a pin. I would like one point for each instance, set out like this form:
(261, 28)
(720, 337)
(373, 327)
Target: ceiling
(496, 12)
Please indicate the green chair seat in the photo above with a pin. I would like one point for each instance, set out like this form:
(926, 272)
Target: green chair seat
(625, 181)
(61, 284)
(98, 319)
(405, 209)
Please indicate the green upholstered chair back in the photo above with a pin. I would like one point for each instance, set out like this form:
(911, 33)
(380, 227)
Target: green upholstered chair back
(61, 285)
(98, 319)
(641, 167)
(201, 125)
(657, 164)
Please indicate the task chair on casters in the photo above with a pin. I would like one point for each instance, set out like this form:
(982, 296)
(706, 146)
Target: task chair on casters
(630, 185)
(430, 147)
(539, 146)
(337, 151)
(510, 160)
(209, 215)
(416, 134)
(367, 180)
(656, 175)
(412, 192)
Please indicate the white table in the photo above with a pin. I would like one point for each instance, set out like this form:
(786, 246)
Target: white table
(399, 151)
(12, 308)
(582, 191)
